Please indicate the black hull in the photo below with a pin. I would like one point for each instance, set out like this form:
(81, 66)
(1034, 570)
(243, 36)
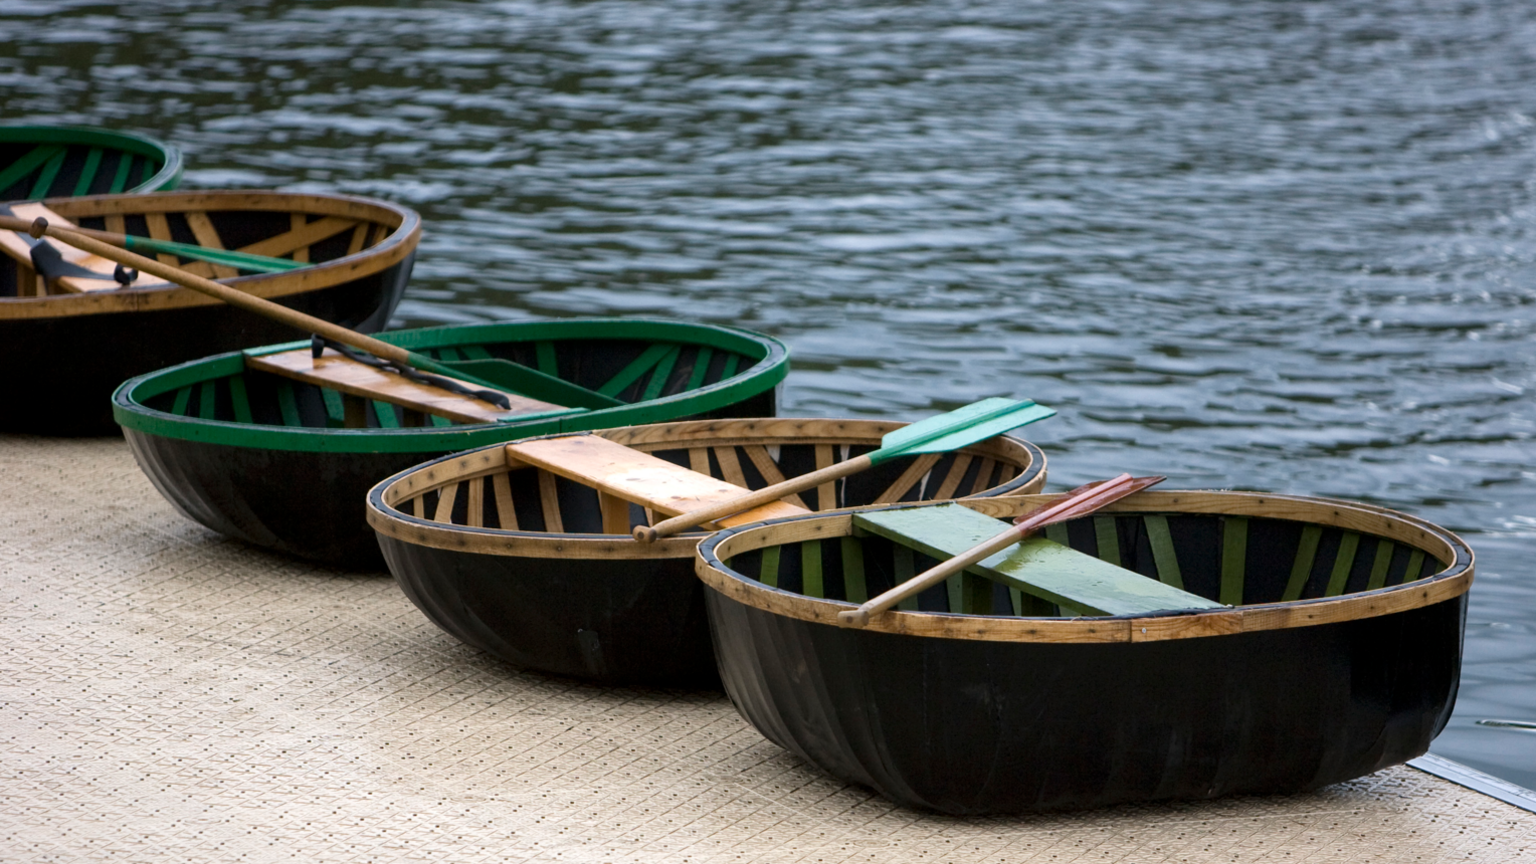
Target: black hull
(973, 727)
(65, 368)
(636, 621)
(303, 503)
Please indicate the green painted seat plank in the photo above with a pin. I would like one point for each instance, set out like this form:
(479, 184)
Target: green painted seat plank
(1234, 557)
(88, 171)
(25, 165)
(812, 584)
(637, 367)
(1301, 569)
(1379, 567)
(1039, 566)
(663, 371)
(1163, 554)
(50, 171)
(700, 369)
(769, 574)
(855, 589)
(1342, 564)
(240, 399)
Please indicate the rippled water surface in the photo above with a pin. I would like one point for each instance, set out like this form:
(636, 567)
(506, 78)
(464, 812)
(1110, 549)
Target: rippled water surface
(1281, 246)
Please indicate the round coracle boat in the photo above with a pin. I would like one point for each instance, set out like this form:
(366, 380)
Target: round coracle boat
(285, 463)
(39, 162)
(83, 330)
(535, 569)
(1322, 642)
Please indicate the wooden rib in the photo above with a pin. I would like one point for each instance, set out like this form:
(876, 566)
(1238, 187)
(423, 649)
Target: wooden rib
(1234, 558)
(1108, 538)
(952, 480)
(855, 589)
(301, 238)
(549, 499)
(983, 476)
(1301, 567)
(811, 583)
(445, 499)
(698, 460)
(1379, 566)
(915, 472)
(826, 493)
(768, 573)
(474, 516)
(1415, 567)
(296, 223)
(208, 237)
(615, 511)
(730, 466)
(904, 565)
(765, 466)
(359, 234)
(1163, 554)
(338, 372)
(160, 229)
(506, 513)
(1349, 545)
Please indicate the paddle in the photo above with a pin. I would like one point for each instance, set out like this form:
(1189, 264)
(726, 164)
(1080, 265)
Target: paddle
(940, 434)
(1082, 500)
(493, 374)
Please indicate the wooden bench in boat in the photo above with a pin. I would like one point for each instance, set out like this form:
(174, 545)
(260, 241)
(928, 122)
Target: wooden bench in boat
(623, 476)
(94, 273)
(338, 372)
(1038, 566)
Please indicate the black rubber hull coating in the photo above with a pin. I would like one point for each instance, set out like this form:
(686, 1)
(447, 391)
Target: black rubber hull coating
(65, 368)
(308, 504)
(973, 727)
(635, 621)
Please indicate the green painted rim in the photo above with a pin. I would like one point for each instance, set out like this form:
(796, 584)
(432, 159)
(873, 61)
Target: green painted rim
(770, 367)
(163, 180)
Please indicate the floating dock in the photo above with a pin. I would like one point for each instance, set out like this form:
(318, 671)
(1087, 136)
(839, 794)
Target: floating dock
(167, 694)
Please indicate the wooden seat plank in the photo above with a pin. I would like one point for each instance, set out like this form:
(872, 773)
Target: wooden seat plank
(346, 375)
(1038, 566)
(19, 246)
(637, 477)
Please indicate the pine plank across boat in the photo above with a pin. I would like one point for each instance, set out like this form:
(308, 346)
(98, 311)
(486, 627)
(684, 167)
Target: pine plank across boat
(39, 162)
(258, 454)
(69, 341)
(1322, 642)
(538, 567)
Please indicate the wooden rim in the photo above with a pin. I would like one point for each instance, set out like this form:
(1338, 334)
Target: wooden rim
(393, 249)
(1452, 582)
(384, 497)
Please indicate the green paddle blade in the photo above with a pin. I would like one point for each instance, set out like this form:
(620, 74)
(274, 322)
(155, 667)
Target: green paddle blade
(227, 257)
(496, 374)
(962, 427)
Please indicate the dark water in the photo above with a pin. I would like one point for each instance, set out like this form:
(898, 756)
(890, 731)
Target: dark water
(1282, 246)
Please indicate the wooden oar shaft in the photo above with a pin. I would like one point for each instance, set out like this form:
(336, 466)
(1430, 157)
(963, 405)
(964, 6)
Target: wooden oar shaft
(1074, 503)
(232, 296)
(684, 521)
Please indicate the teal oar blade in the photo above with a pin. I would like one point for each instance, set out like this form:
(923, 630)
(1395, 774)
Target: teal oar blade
(516, 378)
(226, 257)
(959, 428)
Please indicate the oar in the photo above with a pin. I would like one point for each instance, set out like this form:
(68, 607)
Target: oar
(1082, 500)
(226, 257)
(941, 434)
(493, 374)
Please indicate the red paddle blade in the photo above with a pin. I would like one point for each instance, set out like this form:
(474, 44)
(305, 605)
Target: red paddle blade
(1085, 499)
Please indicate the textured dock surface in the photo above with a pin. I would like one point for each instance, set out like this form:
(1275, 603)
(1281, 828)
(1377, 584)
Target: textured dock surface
(169, 695)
